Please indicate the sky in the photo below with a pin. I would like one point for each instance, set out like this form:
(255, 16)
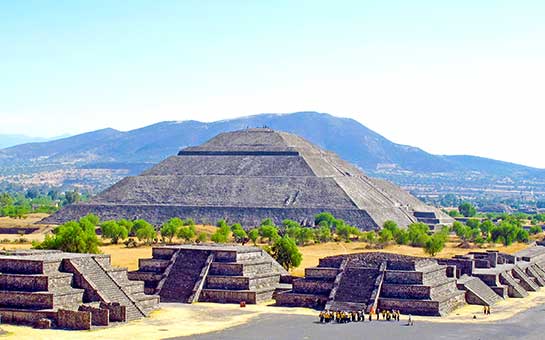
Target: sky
(450, 77)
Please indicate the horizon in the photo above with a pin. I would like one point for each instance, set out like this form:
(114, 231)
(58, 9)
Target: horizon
(459, 79)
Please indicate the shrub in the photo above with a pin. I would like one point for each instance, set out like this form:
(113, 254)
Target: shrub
(186, 233)
(170, 228)
(114, 231)
(146, 233)
(74, 237)
(285, 251)
(434, 244)
(202, 237)
(268, 232)
(253, 235)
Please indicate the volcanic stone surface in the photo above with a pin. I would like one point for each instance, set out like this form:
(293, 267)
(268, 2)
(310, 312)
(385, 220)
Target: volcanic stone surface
(248, 175)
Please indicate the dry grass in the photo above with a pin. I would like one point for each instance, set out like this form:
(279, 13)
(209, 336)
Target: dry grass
(8, 222)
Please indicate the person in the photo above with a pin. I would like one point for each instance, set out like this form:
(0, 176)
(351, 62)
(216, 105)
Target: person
(410, 321)
(484, 310)
(388, 316)
(322, 316)
(398, 314)
(488, 310)
(378, 313)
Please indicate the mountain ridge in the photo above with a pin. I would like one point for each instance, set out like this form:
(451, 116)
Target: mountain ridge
(347, 137)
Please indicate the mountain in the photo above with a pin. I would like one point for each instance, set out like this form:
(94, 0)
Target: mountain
(11, 140)
(138, 149)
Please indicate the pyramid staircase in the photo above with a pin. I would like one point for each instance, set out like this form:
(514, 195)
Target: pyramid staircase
(477, 292)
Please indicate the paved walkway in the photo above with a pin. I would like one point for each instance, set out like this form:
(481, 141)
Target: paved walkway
(526, 325)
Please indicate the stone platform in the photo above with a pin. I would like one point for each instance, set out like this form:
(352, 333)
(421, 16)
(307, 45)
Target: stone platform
(210, 273)
(376, 280)
(66, 290)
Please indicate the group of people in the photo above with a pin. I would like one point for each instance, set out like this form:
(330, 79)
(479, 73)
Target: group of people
(327, 316)
(486, 310)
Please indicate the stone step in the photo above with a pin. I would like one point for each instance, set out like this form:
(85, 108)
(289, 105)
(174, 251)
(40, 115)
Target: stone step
(525, 281)
(346, 306)
(482, 294)
(515, 289)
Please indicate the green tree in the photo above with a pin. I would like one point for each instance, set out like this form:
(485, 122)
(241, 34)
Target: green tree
(72, 197)
(138, 224)
(385, 236)
(125, 223)
(170, 228)
(323, 234)
(434, 244)
(186, 233)
(535, 229)
(418, 234)
(253, 235)
(285, 251)
(268, 232)
(239, 234)
(401, 237)
(146, 233)
(222, 233)
(324, 217)
(391, 226)
(73, 237)
(202, 237)
(114, 231)
(189, 222)
(467, 209)
(267, 222)
(345, 231)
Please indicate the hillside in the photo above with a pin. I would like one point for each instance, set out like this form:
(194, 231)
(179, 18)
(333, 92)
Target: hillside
(130, 152)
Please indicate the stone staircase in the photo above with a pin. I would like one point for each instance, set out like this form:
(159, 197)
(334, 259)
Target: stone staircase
(182, 277)
(105, 286)
(525, 281)
(539, 275)
(515, 289)
(477, 292)
(356, 287)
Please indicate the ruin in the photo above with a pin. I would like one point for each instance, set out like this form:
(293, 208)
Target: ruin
(380, 280)
(249, 175)
(211, 273)
(420, 286)
(47, 288)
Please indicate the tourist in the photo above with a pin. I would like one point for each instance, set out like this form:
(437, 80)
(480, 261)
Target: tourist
(410, 321)
(322, 315)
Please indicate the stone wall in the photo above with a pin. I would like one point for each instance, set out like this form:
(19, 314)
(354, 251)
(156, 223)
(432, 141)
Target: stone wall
(75, 320)
(99, 316)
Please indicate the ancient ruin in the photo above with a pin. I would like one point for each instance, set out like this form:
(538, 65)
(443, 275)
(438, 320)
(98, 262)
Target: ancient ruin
(420, 286)
(246, 176)
(210, 273)
(48, 289)
(376, 280)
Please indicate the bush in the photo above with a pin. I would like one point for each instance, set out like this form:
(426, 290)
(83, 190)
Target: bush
(418, 234)
(434, 244)
(253, 235)
(268, 232)
(146, 233)
(113, 231)
(202, 237)
(186, 233)
(170, 228)
(285, 252)
(74, 237)
(385, 236)
(222, 233)
(324, 218)
(239, 233)
(323, 234)
(467, 209)
(138, 224)
(401, 237)
(535, 229)
(345, 231)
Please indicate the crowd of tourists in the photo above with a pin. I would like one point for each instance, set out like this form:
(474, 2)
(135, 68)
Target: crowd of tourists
(328, 316)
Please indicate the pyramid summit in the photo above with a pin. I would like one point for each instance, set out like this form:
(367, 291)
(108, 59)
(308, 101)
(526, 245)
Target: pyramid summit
(247, 175)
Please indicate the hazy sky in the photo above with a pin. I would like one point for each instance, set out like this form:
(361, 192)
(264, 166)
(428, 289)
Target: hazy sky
(467, 77)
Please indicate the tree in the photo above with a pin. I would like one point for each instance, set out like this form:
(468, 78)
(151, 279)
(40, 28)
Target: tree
(385, 236)
(170, 228)
(434, 244)
(222, 233)
(6, 200)
(323, 234)
(418, 234)
(285, 252)
(202, 237)
(189, 222)
(146, 233)
(73, 237)
(114, 231)
(268, 232)
(239, 234)
(267, 222)
(126, 223)
(324, 217)
(467, 209)
(138, 224)
(72, 197)
(344, 231)
(401, 237)
(253, 235)
(92, 218)
(391, 226)
(304, 236)
(186, 233)
(370, 237)
(535, 229)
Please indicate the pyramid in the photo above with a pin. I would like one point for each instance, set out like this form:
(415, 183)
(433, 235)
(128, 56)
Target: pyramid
(248, 175)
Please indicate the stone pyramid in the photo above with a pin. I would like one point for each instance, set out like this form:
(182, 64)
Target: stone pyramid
(248, 175)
